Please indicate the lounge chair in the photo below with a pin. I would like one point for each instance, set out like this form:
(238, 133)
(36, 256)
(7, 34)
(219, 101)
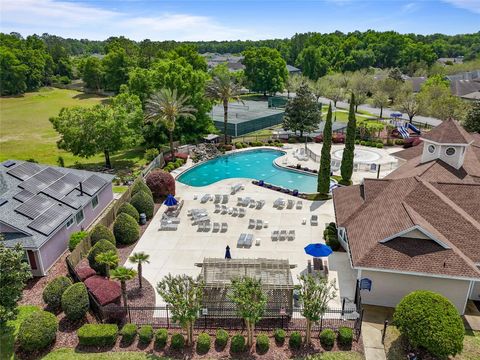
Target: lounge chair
(290, 204)
(260, 204)
(259, 224)
(217, 198)
(275, 234)
(299, 205)
(252, 204)
(218, 208)
(224, 227)
(239, 201)
(279, 203)
(207, 226)
(291, 235)
(248, 240)
(314, 220)
(251, 223)
(242, 212)
(235, 211)
(224, 199)
(283, 235)
(205, 198)
(241, 240)
(224, 209)
(216, 227)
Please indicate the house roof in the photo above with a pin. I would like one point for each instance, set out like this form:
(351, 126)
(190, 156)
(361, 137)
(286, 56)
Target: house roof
(472, 96)
(38, 199)
(449, 132)
(463, 87)
(291, 68)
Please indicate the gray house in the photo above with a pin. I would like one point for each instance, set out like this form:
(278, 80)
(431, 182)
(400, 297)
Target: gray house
(40, 206)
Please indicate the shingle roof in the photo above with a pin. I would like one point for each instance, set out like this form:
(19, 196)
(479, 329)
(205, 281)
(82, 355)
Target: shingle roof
(449, 132)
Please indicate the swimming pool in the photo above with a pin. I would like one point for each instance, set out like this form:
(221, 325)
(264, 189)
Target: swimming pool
(255, 164)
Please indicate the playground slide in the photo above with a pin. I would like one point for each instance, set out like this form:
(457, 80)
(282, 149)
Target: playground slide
(413, 128)
(403, 132)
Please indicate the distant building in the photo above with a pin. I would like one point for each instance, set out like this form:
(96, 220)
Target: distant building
(40, 206)
(450, 60)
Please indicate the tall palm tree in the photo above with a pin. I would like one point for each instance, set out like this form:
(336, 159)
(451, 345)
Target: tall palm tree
(166, 106)
(222, 88)
(110, 259)
(139, 258)
(123, 275)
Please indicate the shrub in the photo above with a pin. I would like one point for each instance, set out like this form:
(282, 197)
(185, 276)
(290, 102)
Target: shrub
(98, 334)
(238, 146)
(389, 142)
(203, 343)
(101, 232)
(263, 343)
(332, 241)
(145, 334)
(363, 143)
(430, 320)
(143, 203)
(380, 145)
(151, 154)
(75, 301)
(295, 341)
(238, 343)
(37, 331)
(177, 341)
(126, 229)
(52, 294)
(327, 338)
(345, 336)
(139, 186)
(161, 183)
(128, 332)
(100, 247)
(221, 338)
(128, 208)
(292, 140)
(399, 141)
(75, 239)
(161, 338)
(279, 144)
(227, 147)
(280, 335)
(357, 142)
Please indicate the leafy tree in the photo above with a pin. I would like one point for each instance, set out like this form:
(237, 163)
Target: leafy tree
(265, 70)
(184, 295)
(166, 106)
(361, 85)
(346, 168)
(92, 73)
(139, 258)
(323, 186)
(140, 83)
(110, 259)
(13, 276)
(335, 88)
(250, 300)
(123, 275)
(116, 67)
(222, 88)
(435, 99)
(313, 63)
(13, 73)
(407, 102)
(293, 83)
(302, 113)
(472, 120)
(380, 100)
(314, 293)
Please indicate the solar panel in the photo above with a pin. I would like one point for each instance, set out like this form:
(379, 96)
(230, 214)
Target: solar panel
(62, 186)
(73, 199)
(3, 201)
(23, 195)
(24, 171)
(35, 206)
(92, 184)
(41, 180)
(50, 219)
(8, 163)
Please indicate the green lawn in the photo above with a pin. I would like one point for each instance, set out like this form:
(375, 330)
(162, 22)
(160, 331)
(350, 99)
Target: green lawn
(9, 332)
(26, 132)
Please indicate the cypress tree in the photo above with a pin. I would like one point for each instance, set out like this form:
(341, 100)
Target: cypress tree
(323, 186)
(346, 169)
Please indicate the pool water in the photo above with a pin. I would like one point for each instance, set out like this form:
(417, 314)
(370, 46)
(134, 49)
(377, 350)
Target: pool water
(255, 164)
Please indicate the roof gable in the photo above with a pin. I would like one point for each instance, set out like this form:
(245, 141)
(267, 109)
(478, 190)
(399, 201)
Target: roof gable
(448, 132)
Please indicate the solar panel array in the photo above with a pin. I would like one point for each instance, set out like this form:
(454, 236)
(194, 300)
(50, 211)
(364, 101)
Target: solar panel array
(41, 180)
(24, 171)
(8, 163)
(23, 195)
(35, 206)
(63, 186)
(92, 184)
(50, 219)
(73, 199)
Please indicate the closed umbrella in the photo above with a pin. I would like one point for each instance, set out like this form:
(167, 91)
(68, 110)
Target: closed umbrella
(170, 200)
(227, 253)
(318, 250)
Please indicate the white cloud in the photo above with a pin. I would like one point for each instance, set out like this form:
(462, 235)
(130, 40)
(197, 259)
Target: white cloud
(470, 5)
(409, 8)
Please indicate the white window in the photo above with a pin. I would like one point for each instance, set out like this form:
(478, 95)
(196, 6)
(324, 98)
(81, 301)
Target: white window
(95, 202)
(450, 151)
(431, 149)
(79, 217)
(69, 222)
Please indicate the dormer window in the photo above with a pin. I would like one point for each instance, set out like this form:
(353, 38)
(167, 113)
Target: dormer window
(431, 149)
(450, 151)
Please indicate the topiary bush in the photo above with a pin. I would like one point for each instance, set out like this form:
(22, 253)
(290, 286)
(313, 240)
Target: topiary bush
(37, 331)
(100, 247)
(98, 334)
(128, 332)
(125, 229)
(345, 336)
(143, 203)
(101, 232)
(177, 342)
(161, 338)
(52, 294)
(327, 338)
(430, 320)
(238, 344)
(128, 208)
(139, 186)
(221, 338)
(203, 343)
(145, 334)
(280, 336)
(75, 302)
(75, 239)
(161, 183)
(263, 343)
(151, 154)
(295, 341)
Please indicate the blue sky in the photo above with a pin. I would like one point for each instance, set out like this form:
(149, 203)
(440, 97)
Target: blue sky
(233, 19)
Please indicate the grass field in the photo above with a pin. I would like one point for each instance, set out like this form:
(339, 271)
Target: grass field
(26, 132)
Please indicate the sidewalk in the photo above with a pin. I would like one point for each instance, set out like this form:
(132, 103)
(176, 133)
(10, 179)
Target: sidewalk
(372, 326)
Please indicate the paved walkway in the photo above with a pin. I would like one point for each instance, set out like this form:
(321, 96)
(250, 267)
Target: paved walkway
(372, 327)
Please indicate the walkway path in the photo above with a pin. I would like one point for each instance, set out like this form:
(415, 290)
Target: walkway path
(372, 327)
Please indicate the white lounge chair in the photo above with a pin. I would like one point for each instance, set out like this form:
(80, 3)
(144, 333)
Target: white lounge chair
(248, 240)
(242, 212)
(239, 201)
(205, 198)
(252, 203)
(290, 204)
(224, 227)
(241, 240)
(314, 220)
(299, 205)
(216, 227)
(224, 209)
(259, 224)
(218, 208)
(217, 198)
(235, 211)
(251, 223)
(283, 235)
(291, 235)
(224, 199)
(260, 204)
(207, 226)
(275, 234)
(279, 203)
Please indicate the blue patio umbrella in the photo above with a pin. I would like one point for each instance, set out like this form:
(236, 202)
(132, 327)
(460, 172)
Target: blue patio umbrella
(396, 114)
(227, 253)
(170, 201)
(318, 250)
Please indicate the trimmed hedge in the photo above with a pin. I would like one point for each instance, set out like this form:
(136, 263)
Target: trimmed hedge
(52, 294)
(280, 335)
(75, 239)
(145, 334)
(143, 203)
(238, 344)
(128, 332)
(97, 335)
(126, 229)
(101, 232)
(161, 338)
(75, 302)
(263, 343)
(345, 336)
(327, 338)
(221, 338)
(37, 331)
(139, 186)
(430, 320)
(203, 343)
(100, 247)
(128, 208)
(295, 341)
(177, 342)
